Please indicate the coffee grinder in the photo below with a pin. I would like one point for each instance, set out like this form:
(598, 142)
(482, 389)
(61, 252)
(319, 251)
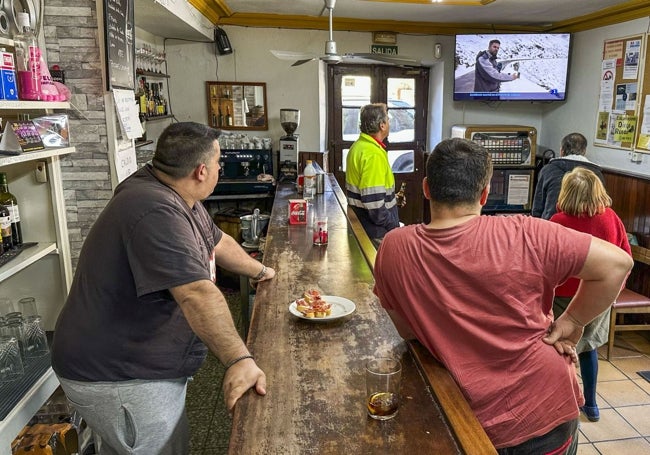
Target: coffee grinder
(288, 166)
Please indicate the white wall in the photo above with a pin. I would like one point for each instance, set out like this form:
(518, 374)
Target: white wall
(304, 87)
(579, 112)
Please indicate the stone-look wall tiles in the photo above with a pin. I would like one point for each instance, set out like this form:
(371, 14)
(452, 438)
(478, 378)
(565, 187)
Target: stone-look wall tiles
(72, 41)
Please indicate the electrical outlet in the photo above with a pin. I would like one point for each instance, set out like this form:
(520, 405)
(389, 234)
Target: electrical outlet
(635, 157)
(40, 172)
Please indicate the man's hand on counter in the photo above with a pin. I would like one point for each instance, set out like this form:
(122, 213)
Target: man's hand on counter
(241, 377)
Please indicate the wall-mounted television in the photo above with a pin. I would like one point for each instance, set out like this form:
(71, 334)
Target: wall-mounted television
(526, 67)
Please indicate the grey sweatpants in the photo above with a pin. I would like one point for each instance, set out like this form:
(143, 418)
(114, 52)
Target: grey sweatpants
(135, 417)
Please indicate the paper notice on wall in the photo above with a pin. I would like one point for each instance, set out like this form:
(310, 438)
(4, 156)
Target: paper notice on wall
(518, 189)
(601, 128)
(626, 97)
(613, 50)
(644, 128)
(608, 75)
(624, 128)
(631, 60)
(125, 160)
(127, 113)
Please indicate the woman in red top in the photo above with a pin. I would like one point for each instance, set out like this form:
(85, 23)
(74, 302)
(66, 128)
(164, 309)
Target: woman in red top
(584, 205)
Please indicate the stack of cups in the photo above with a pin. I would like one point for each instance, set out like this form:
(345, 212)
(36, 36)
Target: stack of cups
(22, 337)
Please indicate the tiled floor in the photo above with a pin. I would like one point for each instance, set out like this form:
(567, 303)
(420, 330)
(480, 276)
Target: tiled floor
(623, 399)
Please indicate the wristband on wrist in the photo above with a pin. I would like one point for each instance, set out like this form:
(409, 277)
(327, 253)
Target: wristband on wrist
(234, 361)
(260, 275)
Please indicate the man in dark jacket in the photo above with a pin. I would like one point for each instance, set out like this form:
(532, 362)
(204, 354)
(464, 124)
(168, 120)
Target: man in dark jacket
(572, 155)
(487, 74)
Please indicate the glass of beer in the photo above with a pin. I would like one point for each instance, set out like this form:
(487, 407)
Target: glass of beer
(383, 376)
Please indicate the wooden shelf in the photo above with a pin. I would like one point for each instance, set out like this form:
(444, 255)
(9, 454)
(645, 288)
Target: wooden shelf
(26, 408)
(26, 105)
(25, 259)
(142, 143)
(152, 74)
(37, 155)
(158, 117)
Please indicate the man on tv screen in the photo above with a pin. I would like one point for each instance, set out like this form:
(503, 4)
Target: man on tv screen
(488, 75)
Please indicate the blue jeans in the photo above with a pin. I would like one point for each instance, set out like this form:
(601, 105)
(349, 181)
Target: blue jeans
(561, 440)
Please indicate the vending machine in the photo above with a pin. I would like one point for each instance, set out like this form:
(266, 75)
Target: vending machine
(513, 151)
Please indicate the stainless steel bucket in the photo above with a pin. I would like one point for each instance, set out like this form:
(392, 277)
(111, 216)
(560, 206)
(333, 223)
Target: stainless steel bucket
(252, 227)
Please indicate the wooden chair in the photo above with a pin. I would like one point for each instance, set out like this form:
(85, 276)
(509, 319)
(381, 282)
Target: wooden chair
(629, 302)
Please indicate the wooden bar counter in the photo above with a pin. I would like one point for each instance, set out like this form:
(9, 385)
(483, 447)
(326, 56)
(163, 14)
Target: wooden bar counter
(315, 402)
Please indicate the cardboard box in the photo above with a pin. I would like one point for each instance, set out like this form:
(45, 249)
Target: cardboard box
(297, 211)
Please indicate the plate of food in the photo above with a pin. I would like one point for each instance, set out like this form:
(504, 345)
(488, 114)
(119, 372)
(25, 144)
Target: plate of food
(313, 306)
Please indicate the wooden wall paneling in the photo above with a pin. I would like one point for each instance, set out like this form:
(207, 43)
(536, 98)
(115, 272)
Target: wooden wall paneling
(631, 201)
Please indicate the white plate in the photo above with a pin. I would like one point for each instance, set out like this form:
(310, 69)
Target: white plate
(340, 307)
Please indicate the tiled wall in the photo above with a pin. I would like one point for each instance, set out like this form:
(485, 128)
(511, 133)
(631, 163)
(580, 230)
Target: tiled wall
(72, 42)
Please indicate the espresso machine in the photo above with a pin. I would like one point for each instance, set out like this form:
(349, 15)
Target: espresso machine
(288, 155)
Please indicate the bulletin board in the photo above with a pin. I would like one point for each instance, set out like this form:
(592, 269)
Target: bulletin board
(642, 143)
(621, 86)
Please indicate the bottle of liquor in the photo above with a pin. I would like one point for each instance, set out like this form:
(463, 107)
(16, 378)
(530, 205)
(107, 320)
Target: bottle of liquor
(9, 200)
(309, 185)
(5, 228)
(228, 116)
(400, 196)
(142, 91)
(220, 118)
(28, 60)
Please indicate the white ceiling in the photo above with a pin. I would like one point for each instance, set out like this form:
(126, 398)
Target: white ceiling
(152, 16)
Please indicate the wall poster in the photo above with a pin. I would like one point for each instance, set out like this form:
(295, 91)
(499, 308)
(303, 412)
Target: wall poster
(620, 85)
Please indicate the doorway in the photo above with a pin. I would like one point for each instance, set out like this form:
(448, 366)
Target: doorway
(405, 92)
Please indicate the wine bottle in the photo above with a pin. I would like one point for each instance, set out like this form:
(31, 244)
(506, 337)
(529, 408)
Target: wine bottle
(400, 196)
(5, 228)
(228, 116)
(220, 118)
(9, 200)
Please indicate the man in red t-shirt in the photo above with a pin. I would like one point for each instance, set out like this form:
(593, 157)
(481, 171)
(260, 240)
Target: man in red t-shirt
(477, 291)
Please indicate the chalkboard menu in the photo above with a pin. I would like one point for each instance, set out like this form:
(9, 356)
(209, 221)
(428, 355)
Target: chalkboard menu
(118, 34)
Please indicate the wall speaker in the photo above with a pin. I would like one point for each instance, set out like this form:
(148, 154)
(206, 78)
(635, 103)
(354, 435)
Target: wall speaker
(223, 43)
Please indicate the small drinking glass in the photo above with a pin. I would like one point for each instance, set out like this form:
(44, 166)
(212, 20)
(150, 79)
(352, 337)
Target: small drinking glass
(6, 306)
(319, 231)
(14, 328)
(28, 306)
(34, 337)
(11, 363)
(383, 376)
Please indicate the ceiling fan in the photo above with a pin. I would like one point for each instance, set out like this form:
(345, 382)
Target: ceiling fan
(331, 56)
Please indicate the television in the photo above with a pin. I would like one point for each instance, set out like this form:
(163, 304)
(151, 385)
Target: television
(528, 67)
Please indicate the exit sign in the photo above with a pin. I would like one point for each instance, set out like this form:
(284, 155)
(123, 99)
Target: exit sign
(386, 50)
